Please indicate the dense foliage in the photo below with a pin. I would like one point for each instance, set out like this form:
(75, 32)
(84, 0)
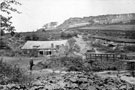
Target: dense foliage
(32, 37)
(11, 74)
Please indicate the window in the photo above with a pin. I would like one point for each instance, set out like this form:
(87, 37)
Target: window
(48, 52)
(41, 52)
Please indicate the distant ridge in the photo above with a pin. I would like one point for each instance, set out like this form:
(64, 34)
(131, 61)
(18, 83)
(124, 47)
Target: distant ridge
(109, 19)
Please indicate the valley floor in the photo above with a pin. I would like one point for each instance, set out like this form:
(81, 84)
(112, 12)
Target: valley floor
(50, 79)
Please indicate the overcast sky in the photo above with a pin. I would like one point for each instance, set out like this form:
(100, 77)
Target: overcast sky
(35, 13)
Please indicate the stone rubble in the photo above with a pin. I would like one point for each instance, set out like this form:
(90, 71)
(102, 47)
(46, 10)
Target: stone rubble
(73, 81)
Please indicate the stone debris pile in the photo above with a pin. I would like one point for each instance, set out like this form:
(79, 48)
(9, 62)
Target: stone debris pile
(73, 81)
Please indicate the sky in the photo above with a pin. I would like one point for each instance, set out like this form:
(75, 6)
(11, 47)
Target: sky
(36, 13)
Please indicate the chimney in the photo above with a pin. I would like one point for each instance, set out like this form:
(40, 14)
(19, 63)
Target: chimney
(52, 45)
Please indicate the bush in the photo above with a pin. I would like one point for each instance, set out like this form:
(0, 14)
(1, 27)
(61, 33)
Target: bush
(78, 64)
(3, 44)
(32, 37)
(12, 74)
(98, 65)
(130, 48)
(71, 63)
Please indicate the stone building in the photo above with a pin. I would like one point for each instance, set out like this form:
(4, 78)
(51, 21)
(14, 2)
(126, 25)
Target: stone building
(43, 48)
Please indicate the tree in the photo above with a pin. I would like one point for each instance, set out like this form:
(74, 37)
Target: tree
(27, 38)
(33, 37)
(5, 7)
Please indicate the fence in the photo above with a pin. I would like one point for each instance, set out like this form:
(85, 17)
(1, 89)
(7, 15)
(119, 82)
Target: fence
(107, 56)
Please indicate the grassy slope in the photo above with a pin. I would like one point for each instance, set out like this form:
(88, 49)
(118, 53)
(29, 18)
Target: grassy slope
(110, 27)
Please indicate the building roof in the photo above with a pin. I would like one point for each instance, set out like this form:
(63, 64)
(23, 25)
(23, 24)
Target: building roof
(42, 44)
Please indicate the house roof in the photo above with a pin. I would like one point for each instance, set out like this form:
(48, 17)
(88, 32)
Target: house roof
(42, 44)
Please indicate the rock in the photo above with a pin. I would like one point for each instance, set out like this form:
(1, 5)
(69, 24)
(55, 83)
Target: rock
(122, 87)
(57, 71)
(83, 86)
(84, 80)
(37, 83)
(71, 86)
(37, 88)
(13, 86)
(2, 87)
(64, 72)
(73, 79)
(91, 88)
(90, 82)
(114, 88)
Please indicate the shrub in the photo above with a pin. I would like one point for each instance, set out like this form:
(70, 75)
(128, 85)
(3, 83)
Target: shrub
(98, 65)
(3, 44)
(12, 74)
(130, 48)
(78, 64)
(27, 38)
(32, 37)
(71, 63)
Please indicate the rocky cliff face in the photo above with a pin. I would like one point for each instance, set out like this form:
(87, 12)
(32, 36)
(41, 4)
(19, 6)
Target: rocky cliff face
(99, 20)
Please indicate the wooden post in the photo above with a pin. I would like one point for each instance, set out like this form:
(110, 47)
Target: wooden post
(113, 57)
(101, 56)
(90, 56)
(95, 56)
(107, 57)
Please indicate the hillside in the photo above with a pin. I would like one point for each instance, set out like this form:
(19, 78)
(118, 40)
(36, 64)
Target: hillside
(110, 19)
(109, 27)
